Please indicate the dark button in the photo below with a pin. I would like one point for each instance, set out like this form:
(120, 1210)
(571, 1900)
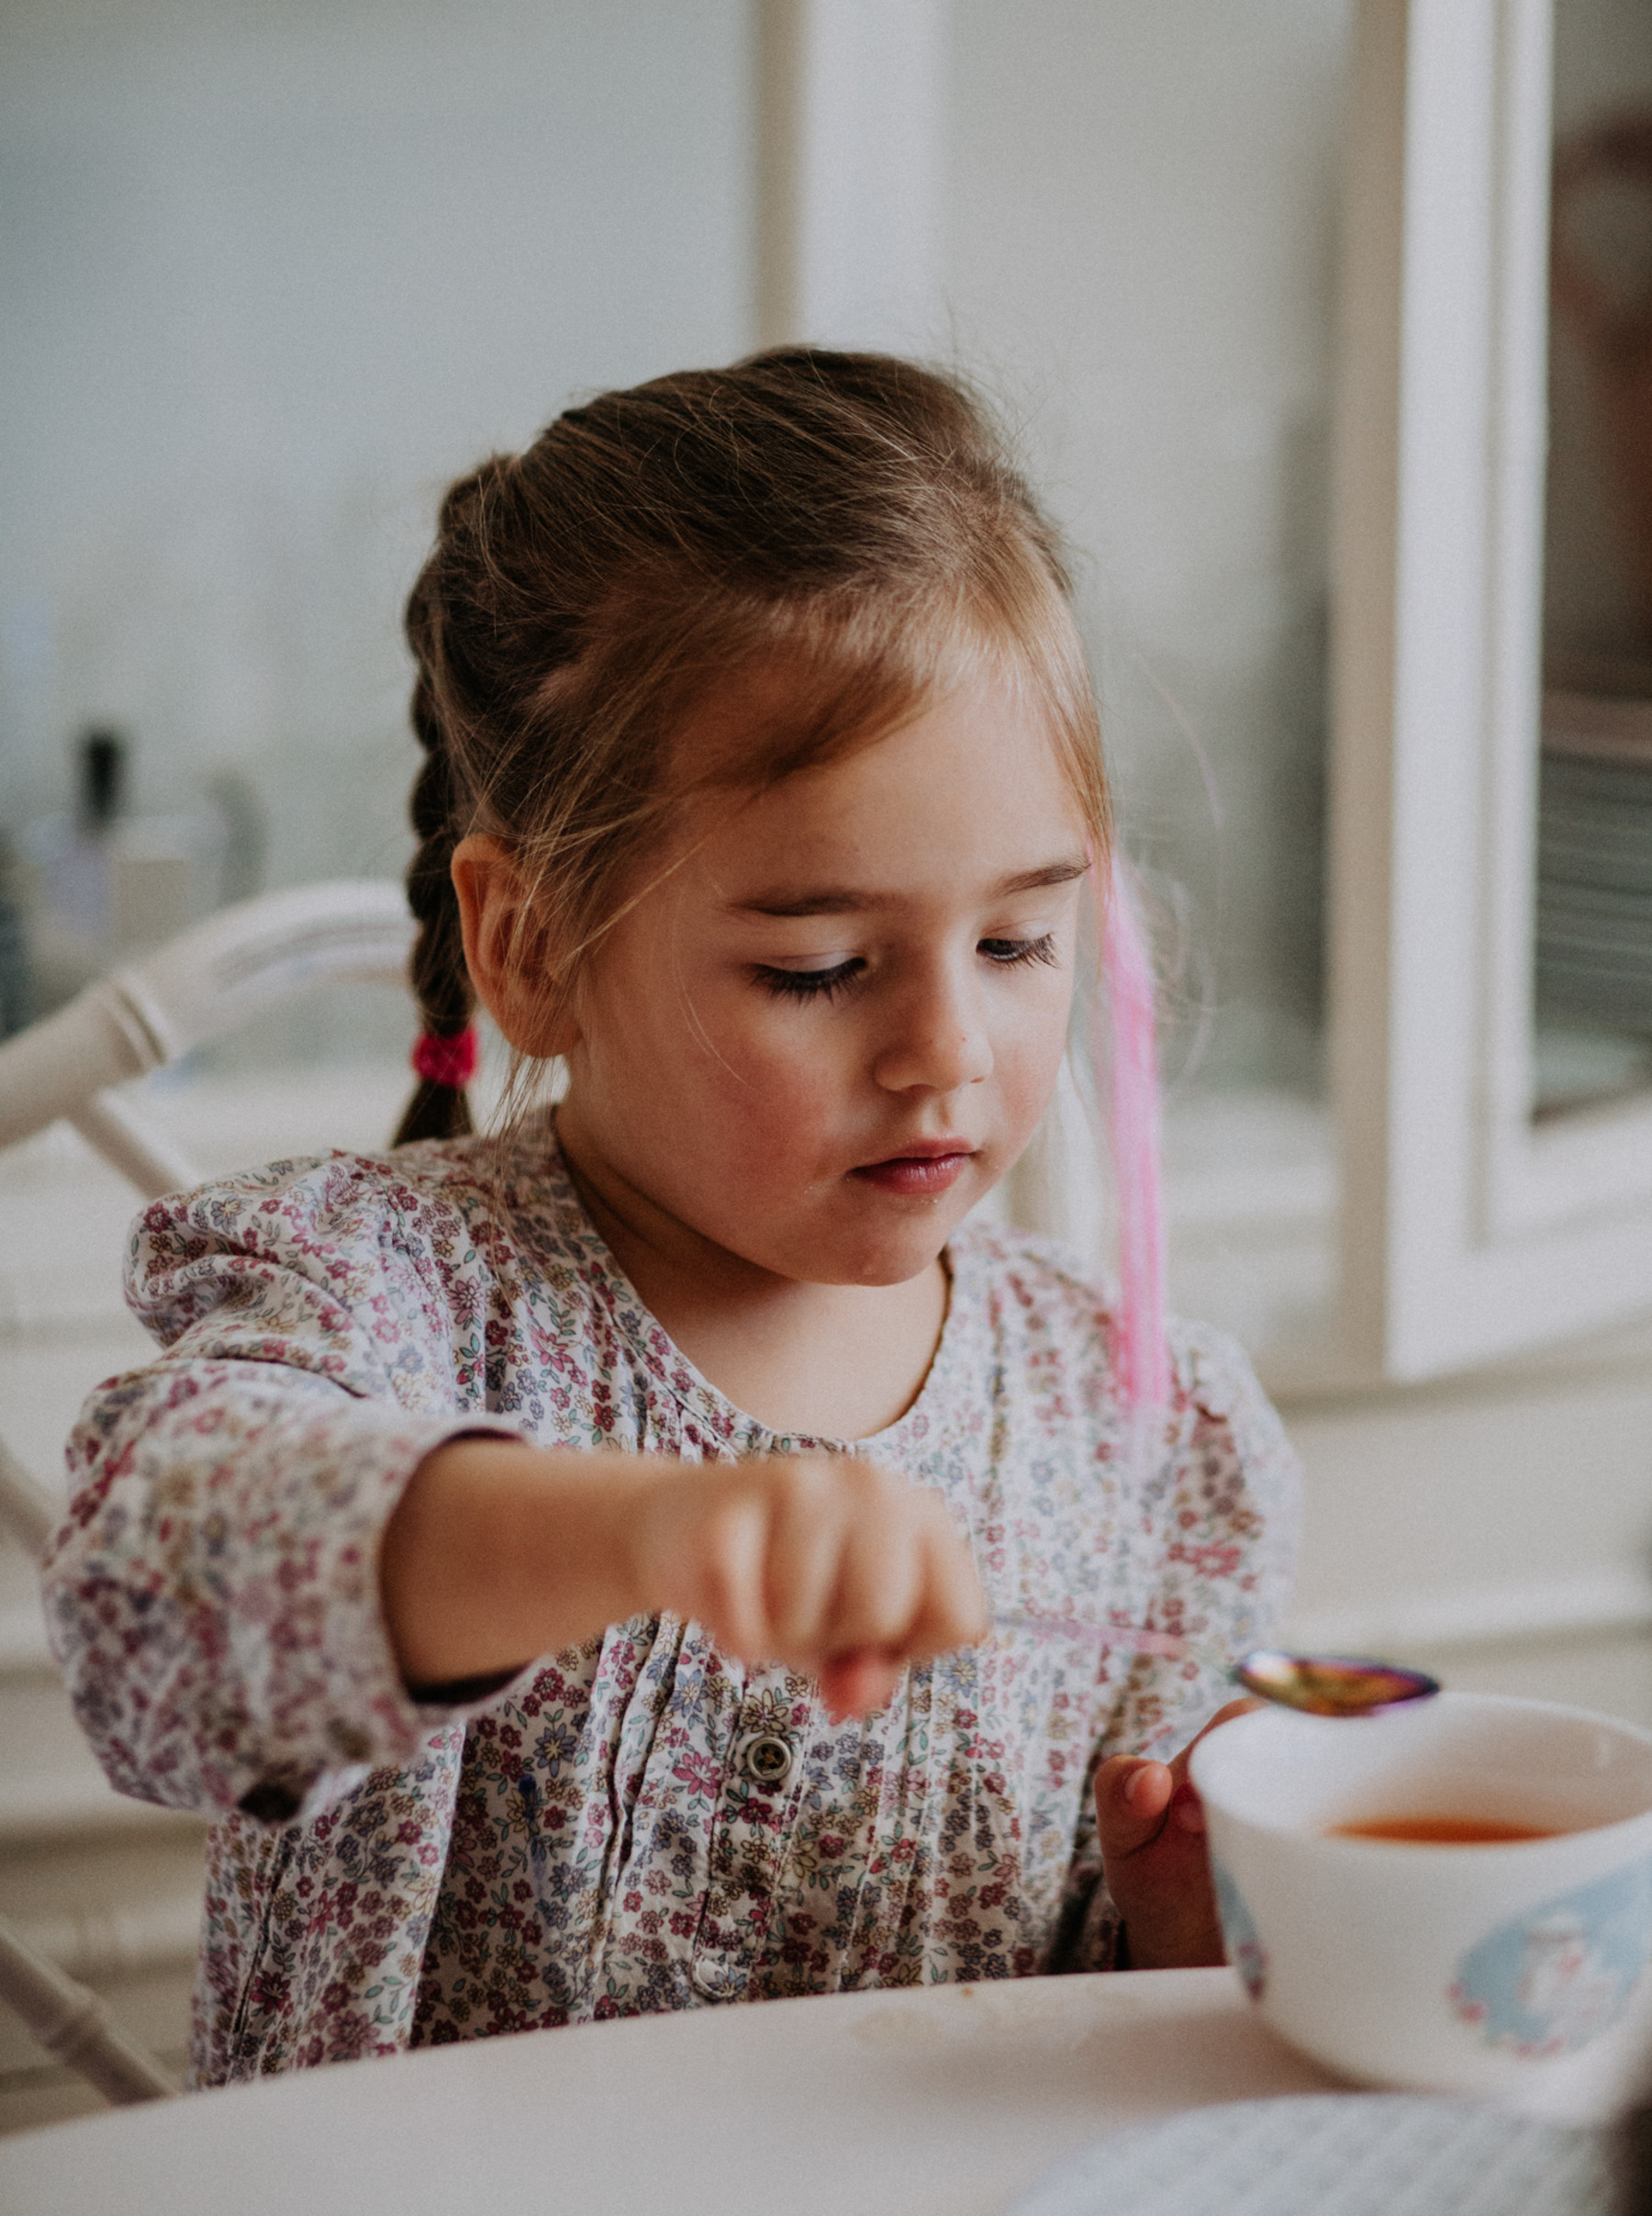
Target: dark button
(767, 1759)
(270, 1803)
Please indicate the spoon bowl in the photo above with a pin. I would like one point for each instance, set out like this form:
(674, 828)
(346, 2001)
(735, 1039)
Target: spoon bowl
(1330, 1684)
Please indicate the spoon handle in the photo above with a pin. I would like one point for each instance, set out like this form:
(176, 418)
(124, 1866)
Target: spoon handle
(1124, 1639)
(1313, 1684)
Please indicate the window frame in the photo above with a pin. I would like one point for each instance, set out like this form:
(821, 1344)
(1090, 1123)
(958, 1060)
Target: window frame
(1469, 1231)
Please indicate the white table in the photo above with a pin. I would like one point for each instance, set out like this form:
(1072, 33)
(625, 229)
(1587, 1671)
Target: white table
(943, 2101)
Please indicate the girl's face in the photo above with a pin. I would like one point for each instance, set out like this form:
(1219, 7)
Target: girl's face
(820, 1040)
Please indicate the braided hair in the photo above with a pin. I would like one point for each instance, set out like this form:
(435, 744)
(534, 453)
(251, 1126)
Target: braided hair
(441, 982)
(850, 523)
(438, 807)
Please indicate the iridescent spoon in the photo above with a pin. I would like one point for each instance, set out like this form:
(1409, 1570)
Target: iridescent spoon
(1330, 1684)
(1318, 1684)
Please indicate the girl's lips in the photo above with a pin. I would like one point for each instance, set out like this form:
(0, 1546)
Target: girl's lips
(915, 1173)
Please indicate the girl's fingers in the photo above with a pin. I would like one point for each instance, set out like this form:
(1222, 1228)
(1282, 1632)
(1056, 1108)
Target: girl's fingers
(1179, 1767)
(880, 1574)
(802, 1568)
(839, 1572)
(948, 1612)
(952, 1611)
(1137, 1799)
(909, 1586)
(727, 1579)
(859, 1683)
(817, 1561)
(1131, 1801)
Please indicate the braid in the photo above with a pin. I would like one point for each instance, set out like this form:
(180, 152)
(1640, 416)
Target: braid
(441, 982)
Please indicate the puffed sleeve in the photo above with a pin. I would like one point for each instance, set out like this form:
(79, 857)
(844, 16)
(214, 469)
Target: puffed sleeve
(1225, 1512)
(213, 1597)
(1221, 1495)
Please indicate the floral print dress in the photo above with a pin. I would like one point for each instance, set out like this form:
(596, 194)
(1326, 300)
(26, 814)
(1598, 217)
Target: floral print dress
(640, 1822)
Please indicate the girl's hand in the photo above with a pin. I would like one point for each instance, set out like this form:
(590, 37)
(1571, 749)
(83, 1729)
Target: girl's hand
(1153, 1851)
(822, 1562)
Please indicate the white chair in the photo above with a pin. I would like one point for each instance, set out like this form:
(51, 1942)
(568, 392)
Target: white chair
(236, 965)
(227, 970)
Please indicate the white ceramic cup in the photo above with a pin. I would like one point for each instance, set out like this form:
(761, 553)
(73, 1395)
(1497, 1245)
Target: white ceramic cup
(1456, 1968)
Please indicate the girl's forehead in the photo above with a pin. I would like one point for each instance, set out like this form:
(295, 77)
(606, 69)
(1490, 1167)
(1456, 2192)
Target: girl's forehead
(970, 792)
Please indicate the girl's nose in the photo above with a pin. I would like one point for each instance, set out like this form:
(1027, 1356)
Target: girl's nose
(937, 1042)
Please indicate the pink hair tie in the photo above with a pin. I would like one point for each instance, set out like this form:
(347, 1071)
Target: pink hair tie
(450, 1061)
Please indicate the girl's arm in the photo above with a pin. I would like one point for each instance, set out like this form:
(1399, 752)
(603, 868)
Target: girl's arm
(213, 1595)
(499, 1552)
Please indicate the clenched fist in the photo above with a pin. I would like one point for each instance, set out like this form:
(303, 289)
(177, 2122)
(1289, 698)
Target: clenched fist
(500, 1551)
(826, 1563)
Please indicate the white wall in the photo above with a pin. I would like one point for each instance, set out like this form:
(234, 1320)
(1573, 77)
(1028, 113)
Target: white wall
(1143, 208)
(270, 274)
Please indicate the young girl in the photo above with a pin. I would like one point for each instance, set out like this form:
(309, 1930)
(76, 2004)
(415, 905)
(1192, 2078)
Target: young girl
(565, 1566)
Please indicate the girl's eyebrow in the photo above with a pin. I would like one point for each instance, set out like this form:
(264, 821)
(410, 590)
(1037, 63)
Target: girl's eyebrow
(844, 900)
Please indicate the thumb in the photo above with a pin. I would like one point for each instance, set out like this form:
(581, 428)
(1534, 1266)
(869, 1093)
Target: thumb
(1132, 1799)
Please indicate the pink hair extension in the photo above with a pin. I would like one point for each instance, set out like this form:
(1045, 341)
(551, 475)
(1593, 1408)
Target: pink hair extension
(1129, 1088)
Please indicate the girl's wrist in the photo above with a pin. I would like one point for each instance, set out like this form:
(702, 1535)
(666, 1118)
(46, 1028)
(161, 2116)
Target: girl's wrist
(500, 1551)
(609, 1498)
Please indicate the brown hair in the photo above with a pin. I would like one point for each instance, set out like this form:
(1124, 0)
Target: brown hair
(815, 541)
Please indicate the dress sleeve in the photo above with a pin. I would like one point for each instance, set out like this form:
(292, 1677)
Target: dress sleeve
(1225, 1516)
(213, 1597)
(1224, 1513)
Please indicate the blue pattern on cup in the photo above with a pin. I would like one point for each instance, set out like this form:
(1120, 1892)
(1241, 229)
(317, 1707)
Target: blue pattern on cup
(1245, 1948)
(1545, 1982)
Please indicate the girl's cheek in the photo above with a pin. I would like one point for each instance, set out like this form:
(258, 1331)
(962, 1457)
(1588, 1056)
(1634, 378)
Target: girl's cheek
(761, 1041)
(770, 1089)
(1030, 1070)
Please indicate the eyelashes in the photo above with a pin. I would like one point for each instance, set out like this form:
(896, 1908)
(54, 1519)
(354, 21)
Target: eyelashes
(1015, 954)
(810, 984)
(826, 984)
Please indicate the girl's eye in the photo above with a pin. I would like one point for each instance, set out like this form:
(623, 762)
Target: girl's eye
(1009, 953)
(810, 984)
(825, 984)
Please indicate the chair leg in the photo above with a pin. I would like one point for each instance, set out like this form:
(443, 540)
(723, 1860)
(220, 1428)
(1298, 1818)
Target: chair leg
(74, 2024)
(27, 1510)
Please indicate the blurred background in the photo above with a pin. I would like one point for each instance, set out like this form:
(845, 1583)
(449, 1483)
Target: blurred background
(273, 271)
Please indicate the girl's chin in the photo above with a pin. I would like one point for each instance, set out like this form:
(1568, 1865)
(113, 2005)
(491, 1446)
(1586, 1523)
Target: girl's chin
(904, 1252)
(849, 1232)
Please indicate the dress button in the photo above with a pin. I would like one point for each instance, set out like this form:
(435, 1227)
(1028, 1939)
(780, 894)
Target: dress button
(767, 1759)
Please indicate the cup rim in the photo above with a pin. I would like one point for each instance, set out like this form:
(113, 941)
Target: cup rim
(1409, 1848)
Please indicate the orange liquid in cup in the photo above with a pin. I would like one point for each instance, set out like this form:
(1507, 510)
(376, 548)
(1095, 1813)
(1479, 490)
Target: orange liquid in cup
(1441, 1832)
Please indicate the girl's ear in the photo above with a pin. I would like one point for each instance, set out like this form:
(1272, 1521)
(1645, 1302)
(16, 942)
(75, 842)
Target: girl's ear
(506, 948)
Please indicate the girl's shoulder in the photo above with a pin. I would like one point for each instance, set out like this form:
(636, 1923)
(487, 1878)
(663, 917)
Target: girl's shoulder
(443, 1176)
(1041, 1293)
(439, 1196)
(443, 1228)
